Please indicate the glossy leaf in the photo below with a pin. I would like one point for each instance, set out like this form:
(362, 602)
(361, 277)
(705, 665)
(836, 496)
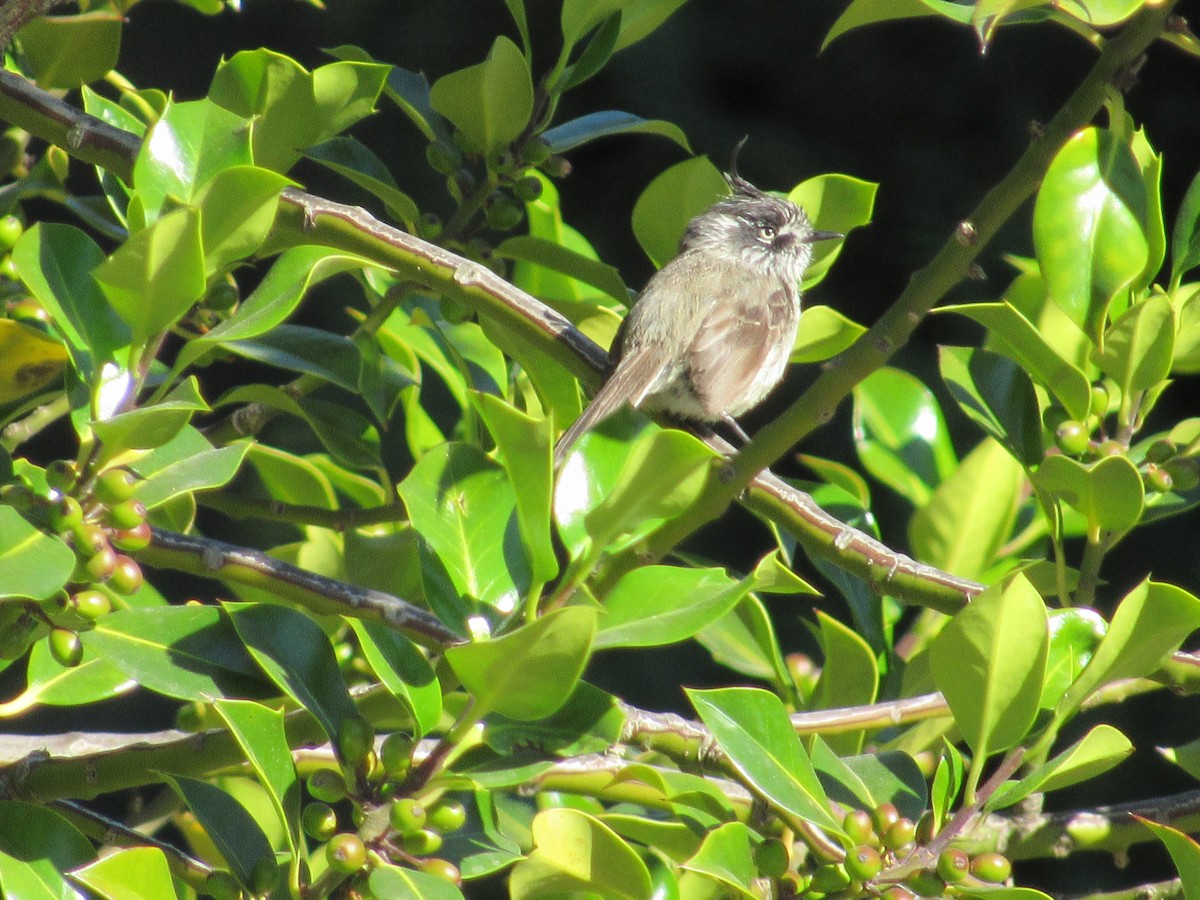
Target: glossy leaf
(64, 52)
(669, 202)
(1088, 226)
(753, 729)
(186, 652)
(131, 873)
(571, 263)
(1095, 753)
(833, 203)
(355, 161)
(1074, 636)
(1101, 13)
(490, 102)
(725, 856)
(147, 427)
(56, 261)
(524, 446)
(227, 823)
(1185, 236)
(1185, 854)
(47, 683)
(465, 506)
(184, 150)
(592, 59)
(849, 676)
(1138, 348)
(237, 210)
(1148, 626)
(33, 564)
(590, 721)
(823, 333)
(607, 123)
(989, 661)
(154, 277)
(186, 463)
(573, 851)
(395, 881)
(900, 434)
(529, 673)
(869, 12)
(403, 670)
(744, 640)
(37, 845)
(998, 396)
(1108, 494)
(871, 779)
(1011, 333)
(293, 651)
(655, 605)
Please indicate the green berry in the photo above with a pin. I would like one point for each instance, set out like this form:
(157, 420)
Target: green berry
(1053, 416)
(557, 167)
(115, 486)
(407, 815)
(448, 816)
(1157, 479)
(319, 821)
(429, 226)
(10, 230)
(1160, 451)
(442, 157)
(884, 816)
(346, 853)
(503, 214)
(220, 885)
(127, 514)
(65, 646)
(863, 863)
(1184, 473)
(535, 152)
(993, 867)
(89, 539)
(771, 858)
(898, 892)
(443, 869)
(190, 717)
(829, 878)
(1072, 438)
(953, 865)
(92, 604)
(1109, 448)
(355, 740)
(858, 826)
(528, 188)
(421, 843)
(135, 538)
(327, 785)
(900, 834)
(126, 577)
(1099, 400)
(61, 475)
(100, 565)
(66, 515)
(395, 754)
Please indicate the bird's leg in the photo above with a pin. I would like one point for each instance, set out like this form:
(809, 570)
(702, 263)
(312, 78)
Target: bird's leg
(735, 427)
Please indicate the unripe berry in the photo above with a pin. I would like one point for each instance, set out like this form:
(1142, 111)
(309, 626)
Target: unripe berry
(395, 754)
(528, 188)
(884, 816)
(407, 815)
(136, 538)
(346, 853)
(863, 863)
(66, 515)
(327, 785)
(115, 486)
(65, 647)
(126, 577)
(858, 826)
(91, 604)
(89, 539)
(100, 565)
(1099, 400)
(127, 514)
(1072, 438)
(1160, 451)
(1184, 473)
(421, 843)
(993, 867)
(1053, 416)
(953, 865)
(1157, 479)
(900, 834)
(61, 475)
(319, 821)
(442, 869)
(355, 740)
(448, 816)
(829, 878)
(771, 858)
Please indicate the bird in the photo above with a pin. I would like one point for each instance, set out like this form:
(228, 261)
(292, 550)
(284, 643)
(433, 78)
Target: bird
(711, 333)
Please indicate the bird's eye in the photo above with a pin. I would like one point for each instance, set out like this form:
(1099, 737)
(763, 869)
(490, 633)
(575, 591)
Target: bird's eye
(767, 232)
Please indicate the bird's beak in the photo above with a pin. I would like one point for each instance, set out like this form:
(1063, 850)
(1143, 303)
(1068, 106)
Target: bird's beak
(823, 236)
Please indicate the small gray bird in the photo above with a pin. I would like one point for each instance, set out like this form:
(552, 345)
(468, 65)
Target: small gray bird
(711, 334)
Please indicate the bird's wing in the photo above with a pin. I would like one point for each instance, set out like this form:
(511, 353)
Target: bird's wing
(634, 378)
(733, 343)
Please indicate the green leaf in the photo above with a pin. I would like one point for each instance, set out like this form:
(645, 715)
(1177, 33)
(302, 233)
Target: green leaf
(293, 108)
(1108, 494)
(571, 263)
(410, 91)
(655, 605)
(1185, 236)
(849, 677)
(989, 661)
(725, 857)
(490, 103)
(670, 201)
(754, 730)
(186, 463)
(37, 845)
(147, 427)
(56, 261)
(1010, 333)
(394, 881)
(353, 160)
(900, 434)
(516, 9)
(677, 839)
(130, 873)
(47, 683)
(64, 52)
(33, 564)
(403, 670)
(607, 123)
(296, 655)
(155, 277)
(618, 500)
(573, 851)
(595, 55)
(590, 721)
(834, 203)
(1148, 626)
(1074, 636)
(233, 831)
(237, 210)
(1185, 853)
(744, 640)
(872, 779)
(870, 12)
(998, 396)
(1095, 753)
(823, 333)
(524, 446)
(1088, 226)
(1138, 348)
(184, 150)
(529, 673)
(186, 652)
(30, 360)
(1101, 13)
(259, 731)
(464, 505)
